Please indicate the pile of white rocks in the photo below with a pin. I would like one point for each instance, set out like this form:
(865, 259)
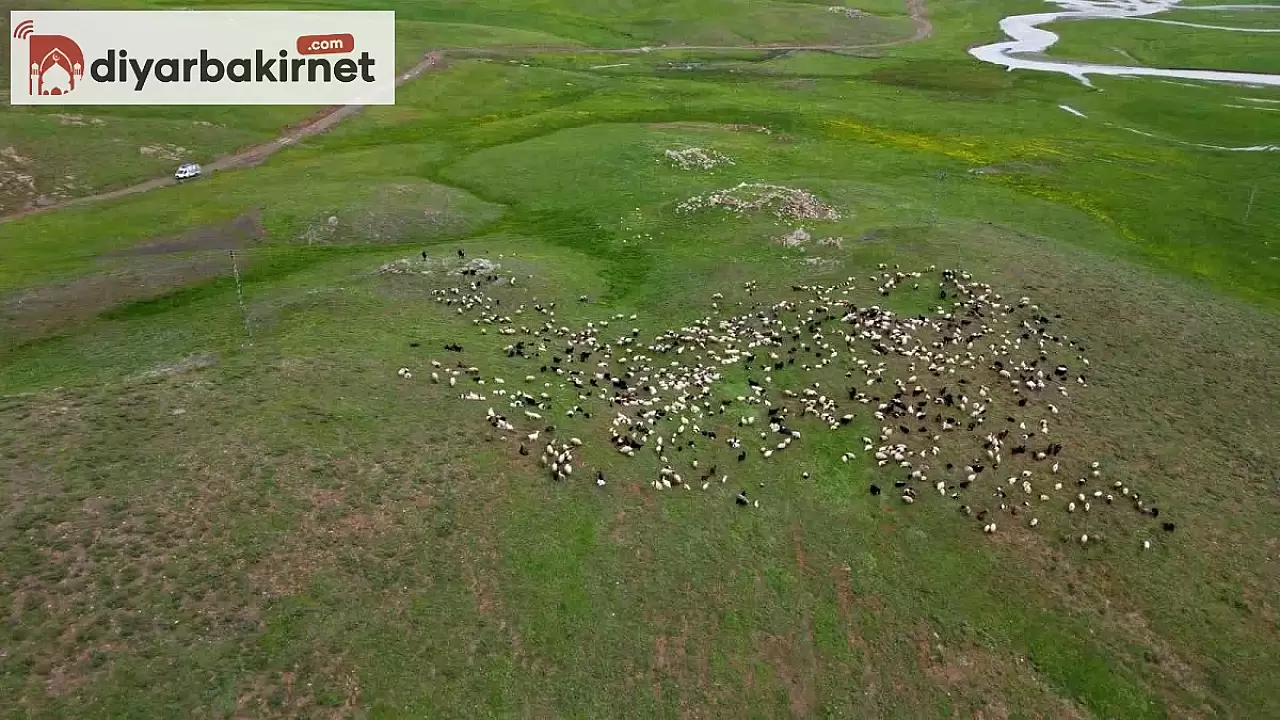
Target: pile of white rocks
(695, 158)
(784, 202)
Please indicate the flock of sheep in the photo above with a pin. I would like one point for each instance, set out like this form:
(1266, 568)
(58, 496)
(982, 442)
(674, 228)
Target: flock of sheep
(958, 402)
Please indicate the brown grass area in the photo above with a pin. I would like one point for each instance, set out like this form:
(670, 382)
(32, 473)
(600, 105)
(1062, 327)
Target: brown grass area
(797, 84)
(797, 543)
(1110, 609)
(44, 310)
(288, 570)
(139, 564)
(479, 581)
(94, 578)
(292, 693)
(26, 182)
(1181, 400)
(981, 683)
(851, 610)
(136, 273)
(680, 663)
(117, 567)
(230, 235)
(480, 560)
(1196, 444)
(795, 664)
(329, 521)
(696, 125)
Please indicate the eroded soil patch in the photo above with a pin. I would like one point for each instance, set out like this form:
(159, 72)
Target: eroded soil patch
(229, 235)
(43, 310)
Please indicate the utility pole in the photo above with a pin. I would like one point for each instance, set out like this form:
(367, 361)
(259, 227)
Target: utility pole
(1249, 208)
(235, 268)
(937, 197)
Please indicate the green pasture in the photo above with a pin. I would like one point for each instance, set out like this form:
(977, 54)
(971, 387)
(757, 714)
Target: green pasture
(1118, 42)
(218, 499)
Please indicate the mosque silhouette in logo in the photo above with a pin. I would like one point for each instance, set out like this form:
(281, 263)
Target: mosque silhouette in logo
(57, 64)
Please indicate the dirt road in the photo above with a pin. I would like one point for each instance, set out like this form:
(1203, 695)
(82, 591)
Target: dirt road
(330, 117)
(246, 157)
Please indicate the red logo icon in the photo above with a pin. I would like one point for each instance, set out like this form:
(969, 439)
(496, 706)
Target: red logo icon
(56, 62)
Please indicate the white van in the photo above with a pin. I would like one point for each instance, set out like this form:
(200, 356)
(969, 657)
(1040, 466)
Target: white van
(187, 171)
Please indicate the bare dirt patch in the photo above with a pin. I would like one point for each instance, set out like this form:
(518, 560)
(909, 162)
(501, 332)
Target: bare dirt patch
(695, 125)
(977, 678)
(165, 151)
(229, 235)
(288, 571)
(19, 185)
(798, 84)
(292, 693)
(797, 541)
(11, 156)
(793, 660)
(187, 364)
(841, 576)
(87, 580)
(1111, 609)
(394, 212)
(479, 561)
(77, 120)
(40, 311)
(678, 662)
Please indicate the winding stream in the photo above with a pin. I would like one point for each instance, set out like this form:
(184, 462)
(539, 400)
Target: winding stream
(1029, 39)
